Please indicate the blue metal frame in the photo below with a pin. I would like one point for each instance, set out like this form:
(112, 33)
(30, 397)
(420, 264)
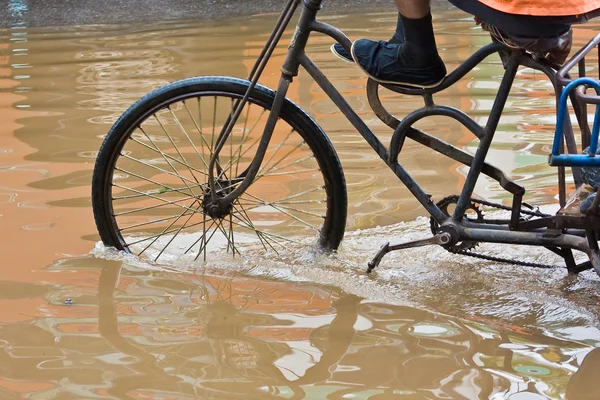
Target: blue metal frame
(591, 159)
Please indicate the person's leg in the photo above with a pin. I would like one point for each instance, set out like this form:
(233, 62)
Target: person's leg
(414, 62)
(397, 38)
(413, 9)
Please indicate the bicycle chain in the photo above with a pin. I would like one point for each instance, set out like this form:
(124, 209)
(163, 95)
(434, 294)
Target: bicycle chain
(500, 259)
(507, 208)
(455, 250)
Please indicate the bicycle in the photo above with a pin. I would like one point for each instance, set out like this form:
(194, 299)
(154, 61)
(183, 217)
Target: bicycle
(220, 184)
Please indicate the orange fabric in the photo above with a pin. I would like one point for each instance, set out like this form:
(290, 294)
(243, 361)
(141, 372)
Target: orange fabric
(544, 8)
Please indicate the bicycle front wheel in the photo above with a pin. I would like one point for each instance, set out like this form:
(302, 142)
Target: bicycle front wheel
(150, 184)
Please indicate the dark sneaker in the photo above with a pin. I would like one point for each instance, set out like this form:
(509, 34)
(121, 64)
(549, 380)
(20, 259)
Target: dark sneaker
(397, 37)
(341, 53)
(398, 64)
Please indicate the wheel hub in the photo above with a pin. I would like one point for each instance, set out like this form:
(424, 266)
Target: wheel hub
(216, 210)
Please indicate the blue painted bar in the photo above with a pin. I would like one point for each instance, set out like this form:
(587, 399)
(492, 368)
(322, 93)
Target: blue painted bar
(594, 139)
(575, 160)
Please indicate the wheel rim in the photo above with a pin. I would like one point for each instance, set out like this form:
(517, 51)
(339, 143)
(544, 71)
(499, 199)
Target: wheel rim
(158, 183)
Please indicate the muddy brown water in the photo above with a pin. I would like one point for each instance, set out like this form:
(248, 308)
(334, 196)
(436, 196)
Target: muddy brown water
(427, 325)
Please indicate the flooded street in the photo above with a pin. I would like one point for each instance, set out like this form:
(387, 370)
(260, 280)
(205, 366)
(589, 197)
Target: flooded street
(79, 320)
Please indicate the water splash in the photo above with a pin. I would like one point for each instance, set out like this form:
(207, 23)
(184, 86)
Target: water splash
(426, 277)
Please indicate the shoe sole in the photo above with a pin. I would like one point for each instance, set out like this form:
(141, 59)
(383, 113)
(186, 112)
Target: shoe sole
(415, 85)
(338, 55)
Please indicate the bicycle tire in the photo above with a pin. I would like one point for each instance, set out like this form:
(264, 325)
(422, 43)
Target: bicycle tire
(130, 130)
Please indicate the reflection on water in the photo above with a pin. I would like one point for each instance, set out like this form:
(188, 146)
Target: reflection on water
(160, 335)
(425, 326)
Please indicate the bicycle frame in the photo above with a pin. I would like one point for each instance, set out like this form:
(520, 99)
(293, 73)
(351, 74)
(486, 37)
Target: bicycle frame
(541, 232)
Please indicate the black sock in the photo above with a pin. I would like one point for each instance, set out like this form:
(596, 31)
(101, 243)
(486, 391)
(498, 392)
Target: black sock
(399, 34)
(419, 34)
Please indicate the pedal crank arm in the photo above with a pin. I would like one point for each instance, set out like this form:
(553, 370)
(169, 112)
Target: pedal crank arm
(439, 239)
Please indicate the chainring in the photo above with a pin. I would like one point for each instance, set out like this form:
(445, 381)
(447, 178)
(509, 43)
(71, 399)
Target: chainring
(443, 204)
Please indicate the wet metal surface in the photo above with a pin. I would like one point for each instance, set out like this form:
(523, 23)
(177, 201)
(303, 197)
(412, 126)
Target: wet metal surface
(79, 321)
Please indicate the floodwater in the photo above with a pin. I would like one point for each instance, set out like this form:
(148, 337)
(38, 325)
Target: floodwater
(78, 320)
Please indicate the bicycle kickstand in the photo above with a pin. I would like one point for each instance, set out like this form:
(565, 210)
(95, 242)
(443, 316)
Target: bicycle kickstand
(441, 239)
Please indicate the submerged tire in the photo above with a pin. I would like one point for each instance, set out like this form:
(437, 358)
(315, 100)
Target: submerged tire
(150, 179)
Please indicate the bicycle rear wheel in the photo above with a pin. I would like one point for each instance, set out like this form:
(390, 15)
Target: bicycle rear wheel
(150, 182)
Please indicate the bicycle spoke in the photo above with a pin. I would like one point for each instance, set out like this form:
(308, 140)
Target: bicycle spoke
(166, 203)
(249, 222)
(159, 191)
(175, 235)
(164, 188)
(259, 234)
(167, 160)
(231, 114)
(160, 234)
(298, 172)
(200, 126)
(186, 135)
(164, 230)
(277, 148)
(244, 224)
(229, 242)
(136, 196)
(277, 206)
(223, 231)
(202, 239)
(152, 196)
(285, 166)
(293, 196)
(202, 248)
(247, 149)
(273, 205)
(154, 221)
(266, 234)
(203, 236)
(182, 178)
(255, 202)
(245, 134)
(214, 127)
(174, 145)
(163, 154)
(230, 164)
(202, 136)
(289, 214)
(231, 237)
(283, 158)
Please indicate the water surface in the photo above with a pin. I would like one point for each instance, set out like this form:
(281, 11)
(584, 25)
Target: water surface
(427, 325)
